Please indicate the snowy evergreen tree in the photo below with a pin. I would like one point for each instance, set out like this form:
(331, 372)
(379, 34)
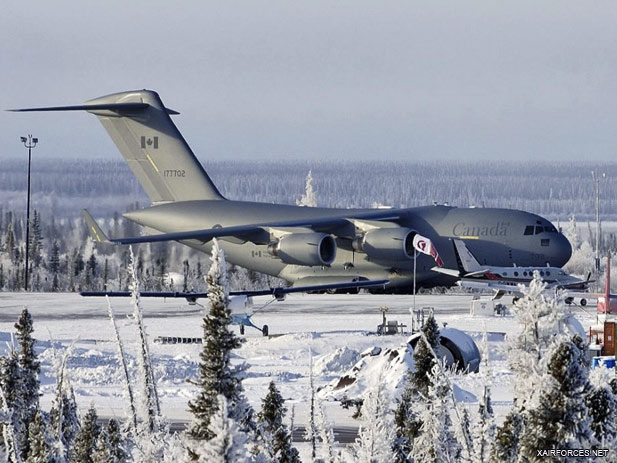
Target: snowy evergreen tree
(63, 415)
(150, 408)
(41, 448)
(406, 419)
(484, 429)
(309, 198)
(424, 357)
(228, 444)
(436, 442)
(311, 429)
(376, 433)
(275, 440)
(102, 450)
(10, 441)
(216, 375)
(558, 416)
(116, 442)
(507, 438)
(571, 232)
(64, 419)
(109, 445)
(27, 389)
(125, 368)
(85, 442)
(541, 320)
(325, 433)
(602, 406)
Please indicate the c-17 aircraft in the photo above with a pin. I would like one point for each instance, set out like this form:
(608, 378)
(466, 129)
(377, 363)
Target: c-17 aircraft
(507, 280)
(303, 245)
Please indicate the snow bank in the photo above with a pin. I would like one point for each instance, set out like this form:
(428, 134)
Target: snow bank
(333, 363)
(392, 365)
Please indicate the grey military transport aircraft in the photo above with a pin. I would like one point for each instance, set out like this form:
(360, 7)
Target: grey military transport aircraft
(303, 245)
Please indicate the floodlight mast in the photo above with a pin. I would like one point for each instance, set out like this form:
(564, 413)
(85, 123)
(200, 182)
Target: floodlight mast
(29, 142)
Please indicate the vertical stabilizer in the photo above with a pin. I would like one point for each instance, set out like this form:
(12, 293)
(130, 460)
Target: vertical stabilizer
(154, 149)
(140, 126)
(468, 261)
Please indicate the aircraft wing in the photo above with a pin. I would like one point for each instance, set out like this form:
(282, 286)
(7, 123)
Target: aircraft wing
(256, 233)
(447, 271)
(490, 284)
(275, 292)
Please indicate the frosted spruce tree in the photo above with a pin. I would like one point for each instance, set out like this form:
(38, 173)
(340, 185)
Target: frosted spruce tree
(275, 440)
(102, 449)
(557, 417)
(216, 374)
(508, 437)
(309, 198)
(436, 442)
(541, 320)
(406, 421)
(13, 428)
(27, 386)
(132, 410)
(63, 416)
(325, 433)
(85, 442)
(484, 429)
(229, 444)
(602, 407)
(376, 433)
(41, 443)
(311, 430)
(150, 408)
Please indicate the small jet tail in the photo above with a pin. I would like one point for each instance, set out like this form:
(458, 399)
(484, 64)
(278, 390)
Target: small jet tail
(468, 261)
(142, 129)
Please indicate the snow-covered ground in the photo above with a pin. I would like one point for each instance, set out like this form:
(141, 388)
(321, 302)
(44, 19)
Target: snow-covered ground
(336, 328)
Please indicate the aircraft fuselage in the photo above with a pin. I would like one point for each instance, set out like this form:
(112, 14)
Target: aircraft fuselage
(495, 236)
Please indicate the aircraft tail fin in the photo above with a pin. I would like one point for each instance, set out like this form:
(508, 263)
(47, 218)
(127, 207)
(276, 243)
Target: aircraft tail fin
(142, 129)
(468, 261)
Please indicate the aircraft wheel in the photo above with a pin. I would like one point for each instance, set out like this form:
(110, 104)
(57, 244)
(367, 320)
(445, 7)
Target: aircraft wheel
(514, 300)
(569, 300)
(583, 302)
(241, 329)
(264, 330)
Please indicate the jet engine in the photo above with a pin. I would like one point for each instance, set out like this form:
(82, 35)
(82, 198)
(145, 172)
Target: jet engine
(310, 249)
(386, 243)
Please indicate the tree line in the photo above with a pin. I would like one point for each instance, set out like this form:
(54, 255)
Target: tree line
(555, 190)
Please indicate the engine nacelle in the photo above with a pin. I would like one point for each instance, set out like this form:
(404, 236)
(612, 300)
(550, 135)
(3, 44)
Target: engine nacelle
(386, 243)
(310, 249)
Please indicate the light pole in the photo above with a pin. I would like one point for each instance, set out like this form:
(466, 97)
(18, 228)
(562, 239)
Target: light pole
(29, 142)
(596, 180)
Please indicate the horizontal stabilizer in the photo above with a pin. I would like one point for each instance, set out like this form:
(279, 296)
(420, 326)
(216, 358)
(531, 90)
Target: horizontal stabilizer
(118, 107)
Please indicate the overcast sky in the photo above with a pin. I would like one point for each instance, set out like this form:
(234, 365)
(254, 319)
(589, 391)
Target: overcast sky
(322, 79)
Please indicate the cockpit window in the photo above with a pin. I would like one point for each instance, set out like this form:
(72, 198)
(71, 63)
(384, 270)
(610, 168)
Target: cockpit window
(539, 230)
(550, 229)
(529, 230)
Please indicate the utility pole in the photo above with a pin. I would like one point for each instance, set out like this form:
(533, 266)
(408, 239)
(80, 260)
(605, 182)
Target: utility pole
(29, 143)
(596, 180)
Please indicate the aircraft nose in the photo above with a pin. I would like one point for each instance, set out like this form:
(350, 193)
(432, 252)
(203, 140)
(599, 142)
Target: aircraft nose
(562, 251)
